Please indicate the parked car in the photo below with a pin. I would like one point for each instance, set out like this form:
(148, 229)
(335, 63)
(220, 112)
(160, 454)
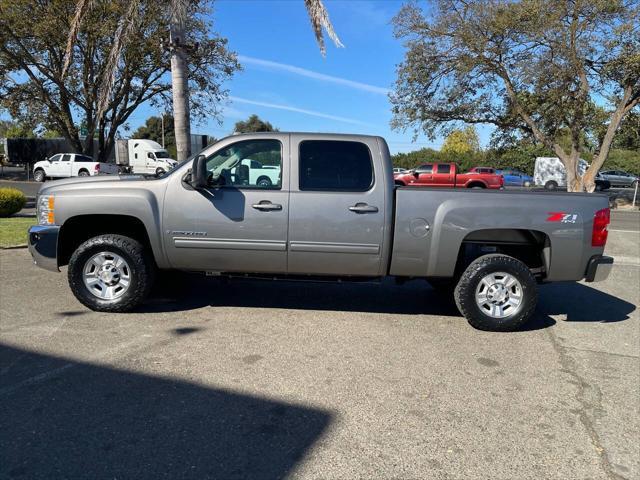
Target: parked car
(515, 178)
(64, 165)
(549, 172)
(446, 175)
(399, 170)
(618, 178)
(139, 155)
(335, 213)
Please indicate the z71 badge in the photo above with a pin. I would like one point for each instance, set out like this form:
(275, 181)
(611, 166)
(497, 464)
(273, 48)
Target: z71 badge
(562, 217)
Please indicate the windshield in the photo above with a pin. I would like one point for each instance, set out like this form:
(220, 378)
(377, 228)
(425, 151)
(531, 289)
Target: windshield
(162, 154)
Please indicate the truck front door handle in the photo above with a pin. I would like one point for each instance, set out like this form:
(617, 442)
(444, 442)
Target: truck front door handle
(266, 205)
(363, 208)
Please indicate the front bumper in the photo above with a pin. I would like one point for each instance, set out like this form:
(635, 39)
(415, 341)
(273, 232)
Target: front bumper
(43, 246)
(598, 268)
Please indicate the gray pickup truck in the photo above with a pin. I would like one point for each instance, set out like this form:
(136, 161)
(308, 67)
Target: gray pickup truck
(332, 211)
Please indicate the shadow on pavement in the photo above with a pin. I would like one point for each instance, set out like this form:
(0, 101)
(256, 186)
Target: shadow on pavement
(582, 303)
(178, 291)
(88, 421)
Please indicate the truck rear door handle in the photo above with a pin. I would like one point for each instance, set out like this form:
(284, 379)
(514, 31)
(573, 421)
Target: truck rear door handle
(266, 205)
(363, 208)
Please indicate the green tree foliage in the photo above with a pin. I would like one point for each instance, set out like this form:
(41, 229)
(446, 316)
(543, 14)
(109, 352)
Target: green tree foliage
(9, 129)
(152, 130)
(36, 86)
(253, 124)
(535, 66)
(462, 141)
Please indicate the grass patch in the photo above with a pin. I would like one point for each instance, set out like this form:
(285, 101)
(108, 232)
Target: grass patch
(13, 230)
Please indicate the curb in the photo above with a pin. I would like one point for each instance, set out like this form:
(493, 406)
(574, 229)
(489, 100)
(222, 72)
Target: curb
(14, 247)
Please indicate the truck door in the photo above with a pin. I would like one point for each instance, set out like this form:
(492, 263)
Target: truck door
(237, 225)
(337, 207)
(423, 174)
(62, 166)
(443, 176)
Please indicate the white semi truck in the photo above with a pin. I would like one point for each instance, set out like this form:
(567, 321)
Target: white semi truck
(143, 156)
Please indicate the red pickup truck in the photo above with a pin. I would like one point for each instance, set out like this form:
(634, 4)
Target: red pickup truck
(446, 175)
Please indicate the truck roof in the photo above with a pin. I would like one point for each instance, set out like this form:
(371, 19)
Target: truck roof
(306, 134)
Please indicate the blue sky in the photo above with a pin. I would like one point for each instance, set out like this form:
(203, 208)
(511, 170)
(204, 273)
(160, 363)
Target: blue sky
(287, 81)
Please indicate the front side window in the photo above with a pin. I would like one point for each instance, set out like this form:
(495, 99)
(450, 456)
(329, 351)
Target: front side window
(333, 165)
(235, 165)
(55, 158)
(427, 168)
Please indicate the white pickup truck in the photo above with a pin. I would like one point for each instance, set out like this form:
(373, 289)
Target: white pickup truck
(64, 165)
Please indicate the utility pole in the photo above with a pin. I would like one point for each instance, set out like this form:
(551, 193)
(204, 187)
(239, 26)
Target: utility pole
(162, 126)
(180, 80)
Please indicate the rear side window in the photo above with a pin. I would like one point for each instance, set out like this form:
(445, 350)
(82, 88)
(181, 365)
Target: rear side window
(444, 168)
(335, 166)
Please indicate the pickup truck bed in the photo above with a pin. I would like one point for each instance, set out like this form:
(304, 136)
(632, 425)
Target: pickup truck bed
(333, 211)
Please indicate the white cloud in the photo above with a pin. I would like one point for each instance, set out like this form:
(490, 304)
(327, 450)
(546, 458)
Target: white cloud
(311, 74)
(289, 108)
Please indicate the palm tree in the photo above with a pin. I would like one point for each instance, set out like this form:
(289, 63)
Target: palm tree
(316, 10)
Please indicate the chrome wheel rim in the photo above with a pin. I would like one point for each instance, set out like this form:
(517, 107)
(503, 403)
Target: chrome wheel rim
(107, 275)
(499, 295)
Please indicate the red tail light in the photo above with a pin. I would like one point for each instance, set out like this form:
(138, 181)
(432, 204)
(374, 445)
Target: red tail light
(97, 167)
(601, 220)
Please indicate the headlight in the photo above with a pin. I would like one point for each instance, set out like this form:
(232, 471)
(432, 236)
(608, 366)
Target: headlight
(45, 210)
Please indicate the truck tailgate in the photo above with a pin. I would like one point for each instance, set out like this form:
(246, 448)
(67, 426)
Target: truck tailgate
(431, 224)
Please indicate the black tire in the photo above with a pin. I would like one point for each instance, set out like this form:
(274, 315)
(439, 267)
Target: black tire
(264, 182)
(83, 173)
(465, 293)
(551, 185)
(39, 175)
(159, 171)
(141, 265)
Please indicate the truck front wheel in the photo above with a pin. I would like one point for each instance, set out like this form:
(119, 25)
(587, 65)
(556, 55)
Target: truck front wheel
(111, 273)
(39, 175)
(496, 293)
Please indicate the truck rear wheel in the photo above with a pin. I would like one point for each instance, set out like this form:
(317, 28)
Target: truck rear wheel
(111, 273)
(496, 293)
(83, 173)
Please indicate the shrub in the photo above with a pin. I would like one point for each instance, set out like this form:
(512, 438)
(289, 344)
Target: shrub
(11, 201)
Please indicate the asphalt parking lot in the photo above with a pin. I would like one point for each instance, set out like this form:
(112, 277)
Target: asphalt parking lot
(249, 379)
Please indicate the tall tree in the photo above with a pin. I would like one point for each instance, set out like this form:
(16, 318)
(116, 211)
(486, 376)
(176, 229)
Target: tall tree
(179, 47)
(538, 66)
(462, 141)
(253, 124)
(104, 76)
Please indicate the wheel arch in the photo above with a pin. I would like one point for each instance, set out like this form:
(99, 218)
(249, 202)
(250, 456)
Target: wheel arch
(78, 229)
(476, 183)
(532, 247)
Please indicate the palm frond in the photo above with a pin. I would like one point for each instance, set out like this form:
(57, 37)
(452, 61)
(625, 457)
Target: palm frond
(319, 18)
(122, 35)
(82, 7)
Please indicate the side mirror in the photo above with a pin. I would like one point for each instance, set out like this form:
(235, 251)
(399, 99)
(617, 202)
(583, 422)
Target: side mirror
(199, 173)
(416, 173)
